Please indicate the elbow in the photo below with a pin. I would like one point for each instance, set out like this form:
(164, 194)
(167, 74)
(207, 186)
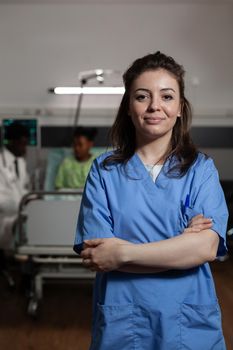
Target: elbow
(207, 255)
(210, 246)
(212, 255)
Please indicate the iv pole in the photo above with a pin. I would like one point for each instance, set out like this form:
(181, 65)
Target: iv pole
(97, 74)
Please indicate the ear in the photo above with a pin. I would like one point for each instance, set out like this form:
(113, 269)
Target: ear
(180, 110)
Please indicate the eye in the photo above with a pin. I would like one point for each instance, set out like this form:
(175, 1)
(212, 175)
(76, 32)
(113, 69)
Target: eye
(167, 97)
(141, 97)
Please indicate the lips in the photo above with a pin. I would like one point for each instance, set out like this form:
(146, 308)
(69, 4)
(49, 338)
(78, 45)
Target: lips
(154, 118)
(151, 118)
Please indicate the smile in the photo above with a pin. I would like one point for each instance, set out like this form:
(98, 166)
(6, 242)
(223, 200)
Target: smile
(151, 120)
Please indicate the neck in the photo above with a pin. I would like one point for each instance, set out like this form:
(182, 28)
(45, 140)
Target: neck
(153, 151)
(10, 149)
(83, 159)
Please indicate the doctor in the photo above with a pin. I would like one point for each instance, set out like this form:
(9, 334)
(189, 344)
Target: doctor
(13, 180)
(153, 215)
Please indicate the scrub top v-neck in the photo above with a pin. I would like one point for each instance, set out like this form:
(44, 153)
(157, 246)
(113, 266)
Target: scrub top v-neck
(177, 309)
(153, 170)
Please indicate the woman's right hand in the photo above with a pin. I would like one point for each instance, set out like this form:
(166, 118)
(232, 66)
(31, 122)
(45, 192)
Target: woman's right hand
(198, 223)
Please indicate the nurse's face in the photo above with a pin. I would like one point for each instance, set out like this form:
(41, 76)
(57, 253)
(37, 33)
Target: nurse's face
(154, 104)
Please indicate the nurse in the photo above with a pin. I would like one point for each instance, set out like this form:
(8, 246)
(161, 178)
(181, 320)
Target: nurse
(153, 215)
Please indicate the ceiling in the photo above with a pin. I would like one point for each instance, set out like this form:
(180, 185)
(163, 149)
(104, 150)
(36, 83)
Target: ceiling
(115, 2)
(44, 45)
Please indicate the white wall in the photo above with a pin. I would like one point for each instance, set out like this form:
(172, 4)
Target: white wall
(48, 45)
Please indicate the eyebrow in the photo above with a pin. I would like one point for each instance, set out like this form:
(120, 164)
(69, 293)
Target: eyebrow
(147, 90)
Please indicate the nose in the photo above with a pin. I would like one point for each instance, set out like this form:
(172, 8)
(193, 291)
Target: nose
(154, 104)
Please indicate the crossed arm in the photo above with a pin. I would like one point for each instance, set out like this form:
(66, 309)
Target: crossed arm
(195, 246)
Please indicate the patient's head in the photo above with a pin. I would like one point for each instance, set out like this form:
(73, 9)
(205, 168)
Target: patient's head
(83, 141)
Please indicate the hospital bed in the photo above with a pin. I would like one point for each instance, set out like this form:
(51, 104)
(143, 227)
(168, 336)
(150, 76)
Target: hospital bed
(45, 235)
(45, 232)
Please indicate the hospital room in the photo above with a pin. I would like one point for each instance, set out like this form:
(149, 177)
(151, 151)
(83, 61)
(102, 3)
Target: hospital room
(116, 174)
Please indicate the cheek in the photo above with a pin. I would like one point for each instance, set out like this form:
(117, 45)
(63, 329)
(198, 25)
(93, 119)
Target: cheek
(132, 119)
(77, 149)
(171, 111)
(136, 119)
(136, 111)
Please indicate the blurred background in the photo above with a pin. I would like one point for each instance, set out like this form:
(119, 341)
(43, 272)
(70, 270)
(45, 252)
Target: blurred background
(45, 296)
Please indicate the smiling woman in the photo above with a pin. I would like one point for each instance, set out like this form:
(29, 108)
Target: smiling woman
(153, 215)
(154, 108)
(154, 103)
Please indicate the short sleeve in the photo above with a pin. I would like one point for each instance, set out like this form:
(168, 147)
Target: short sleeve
(94, 220)
(210, 201)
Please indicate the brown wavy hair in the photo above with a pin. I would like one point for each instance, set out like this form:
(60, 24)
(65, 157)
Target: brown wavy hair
(122, 133)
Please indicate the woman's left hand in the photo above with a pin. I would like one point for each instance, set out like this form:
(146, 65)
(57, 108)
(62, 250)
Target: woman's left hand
(104, 254)
(199, 223)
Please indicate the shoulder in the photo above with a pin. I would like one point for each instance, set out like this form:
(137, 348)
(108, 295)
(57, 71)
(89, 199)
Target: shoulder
(7, 155)
(203, 161)
(68, 160)
(98, 161)
(204, 167)
(92, 158)
(100, 158)
(97, 164)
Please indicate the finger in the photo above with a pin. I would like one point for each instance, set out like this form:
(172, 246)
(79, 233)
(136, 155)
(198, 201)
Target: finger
(191, 230)
(200, 221)
(87, 262)
(198, 216)
(202, 226)
(87, 246)
(93, 242)
(93, 268)
(207, 224)
(86, 253)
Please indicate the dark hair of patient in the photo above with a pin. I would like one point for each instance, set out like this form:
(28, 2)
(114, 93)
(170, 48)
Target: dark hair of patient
(88, 132)
(123, 136)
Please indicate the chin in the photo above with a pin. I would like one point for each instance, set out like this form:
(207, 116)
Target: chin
(154, 134)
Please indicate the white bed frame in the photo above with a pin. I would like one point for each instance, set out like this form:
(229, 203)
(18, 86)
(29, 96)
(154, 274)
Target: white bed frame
(45, 236)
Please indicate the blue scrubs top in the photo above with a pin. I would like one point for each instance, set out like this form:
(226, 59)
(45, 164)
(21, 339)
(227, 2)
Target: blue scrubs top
(177, 309)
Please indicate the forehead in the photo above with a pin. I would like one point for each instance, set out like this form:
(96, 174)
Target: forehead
(80, 138)
(155, 79)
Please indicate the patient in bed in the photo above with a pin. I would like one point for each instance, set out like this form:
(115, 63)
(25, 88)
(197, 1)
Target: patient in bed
(73, 170)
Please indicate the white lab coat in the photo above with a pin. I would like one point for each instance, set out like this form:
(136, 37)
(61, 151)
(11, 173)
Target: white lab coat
(12, 188)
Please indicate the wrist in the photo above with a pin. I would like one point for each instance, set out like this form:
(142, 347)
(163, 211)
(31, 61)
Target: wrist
(125, 253)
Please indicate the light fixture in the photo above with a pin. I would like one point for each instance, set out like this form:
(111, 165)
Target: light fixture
(99, 75)
(88, 90)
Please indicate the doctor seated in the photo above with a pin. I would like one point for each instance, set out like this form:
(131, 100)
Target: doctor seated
(153, 215)
(14, 181)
